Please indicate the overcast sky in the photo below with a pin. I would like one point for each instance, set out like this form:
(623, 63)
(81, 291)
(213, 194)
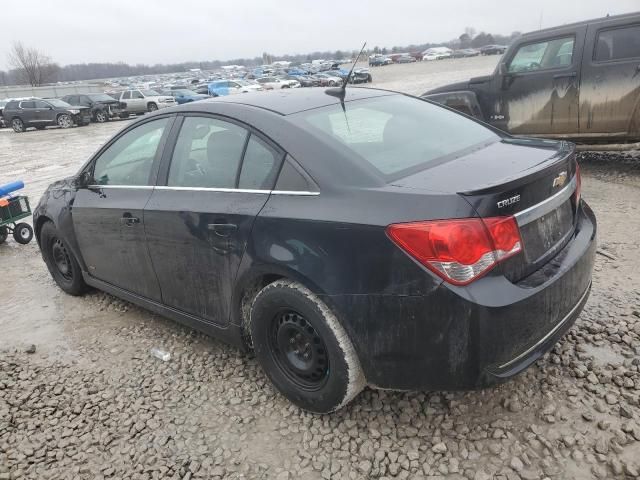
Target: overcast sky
(170, 31)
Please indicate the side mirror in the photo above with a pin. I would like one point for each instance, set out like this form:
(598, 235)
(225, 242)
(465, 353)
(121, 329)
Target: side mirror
(502, 69)
(84, 179)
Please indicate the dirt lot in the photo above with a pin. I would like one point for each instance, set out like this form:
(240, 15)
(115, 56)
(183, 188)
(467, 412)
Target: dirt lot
(91, 402)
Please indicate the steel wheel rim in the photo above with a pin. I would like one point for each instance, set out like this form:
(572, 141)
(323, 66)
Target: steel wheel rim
(101, 117)
(298, 350)
(16, 124)
(24, 233)
(153, 108)
(61, 259)
(64, 121)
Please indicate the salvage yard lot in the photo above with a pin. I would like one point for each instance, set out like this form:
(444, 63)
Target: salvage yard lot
(91, 402)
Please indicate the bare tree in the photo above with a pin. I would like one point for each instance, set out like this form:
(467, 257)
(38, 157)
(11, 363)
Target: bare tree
(31, 66)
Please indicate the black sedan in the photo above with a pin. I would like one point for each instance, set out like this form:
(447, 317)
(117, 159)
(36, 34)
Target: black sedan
(376, 240)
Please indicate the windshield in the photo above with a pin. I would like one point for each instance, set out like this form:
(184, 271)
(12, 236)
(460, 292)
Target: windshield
(396, 133)
(58, 103)
(100, 97)
(149, 93)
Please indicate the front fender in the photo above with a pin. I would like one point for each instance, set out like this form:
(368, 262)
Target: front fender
(464, 101)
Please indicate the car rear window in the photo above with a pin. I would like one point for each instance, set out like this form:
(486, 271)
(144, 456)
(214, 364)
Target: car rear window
(396, 134)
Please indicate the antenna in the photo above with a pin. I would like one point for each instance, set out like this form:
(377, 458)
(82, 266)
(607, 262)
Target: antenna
(340, 92)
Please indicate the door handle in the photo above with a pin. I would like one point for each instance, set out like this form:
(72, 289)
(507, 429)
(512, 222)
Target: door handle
(129, 221)
(223, 229)
(566, 75)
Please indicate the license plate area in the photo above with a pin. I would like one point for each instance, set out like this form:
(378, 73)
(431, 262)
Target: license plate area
(543, 234)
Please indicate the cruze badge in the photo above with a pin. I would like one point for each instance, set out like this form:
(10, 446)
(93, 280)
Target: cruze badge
(508, 201)
(560, 180)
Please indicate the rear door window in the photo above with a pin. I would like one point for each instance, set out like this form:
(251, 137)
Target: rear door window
(259, 166)
(207, 154)
(544, 55)
(618, 44)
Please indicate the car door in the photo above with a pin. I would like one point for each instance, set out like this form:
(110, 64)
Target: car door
(610, 90)
(125, 98)
(108, 212)
(44, 112)
(199, 217)
(28, 112)
(138, 102)
(540, 84)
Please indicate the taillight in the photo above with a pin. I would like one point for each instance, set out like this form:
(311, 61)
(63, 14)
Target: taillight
(578, 185)
(459, 250)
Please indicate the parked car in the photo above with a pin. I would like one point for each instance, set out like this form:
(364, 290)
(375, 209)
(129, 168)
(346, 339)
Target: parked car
(328, 80)
(2, 104)
(343, 241)
(102, 106)
(40, 113)
(304, 80)
(141, 101)
(428, 57)
(183, 95)
(361, 75)
(405, 59)
(220, 88)
(578, 81)
(493, 49)
(379, 60)
(276, 83)
(465, 52)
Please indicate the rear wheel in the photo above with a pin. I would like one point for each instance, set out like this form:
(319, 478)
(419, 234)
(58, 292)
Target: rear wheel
(60, 261)
(17, 125)
(64, 121)
(23, 233)
(303, 349)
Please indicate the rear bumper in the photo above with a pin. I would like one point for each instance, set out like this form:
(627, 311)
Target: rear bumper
(458, 338)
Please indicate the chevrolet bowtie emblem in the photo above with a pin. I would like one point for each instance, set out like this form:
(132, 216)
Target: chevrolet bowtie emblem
(560, 180)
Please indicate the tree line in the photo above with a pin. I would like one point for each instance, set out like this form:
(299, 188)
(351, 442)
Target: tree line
(30, 66)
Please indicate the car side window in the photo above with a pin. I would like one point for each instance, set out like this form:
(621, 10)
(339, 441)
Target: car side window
(136, 94)
(40, 104)
(129, 160)
(207, 154)
(27, 104)
(260, 165)
(554, 53)
(126, 95)
(84, 101)
(291, 179)
(618, 44)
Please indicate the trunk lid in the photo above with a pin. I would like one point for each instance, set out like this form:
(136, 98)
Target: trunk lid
(534, 180)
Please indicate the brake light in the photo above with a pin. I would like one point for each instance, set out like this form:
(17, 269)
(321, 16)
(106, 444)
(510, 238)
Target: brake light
(459, 250)
(578, 185)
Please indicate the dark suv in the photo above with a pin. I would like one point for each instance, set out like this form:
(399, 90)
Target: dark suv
(102, 106)
(39, 113)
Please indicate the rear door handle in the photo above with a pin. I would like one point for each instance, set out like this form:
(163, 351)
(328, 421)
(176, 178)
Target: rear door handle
(129, 221)
(566, 75)
(223, 229)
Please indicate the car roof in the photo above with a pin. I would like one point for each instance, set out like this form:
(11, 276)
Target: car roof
(584, 22)
(292, 100)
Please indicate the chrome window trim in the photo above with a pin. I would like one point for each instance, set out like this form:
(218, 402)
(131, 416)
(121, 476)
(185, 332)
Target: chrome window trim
(208, 189)
(538, 210)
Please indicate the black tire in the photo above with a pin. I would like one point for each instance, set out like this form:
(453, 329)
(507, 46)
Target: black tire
(124, 115)
(60, 261)
(4, 233)
(152, 107)
(303, 349)
(23, 233)
(101, 116)
(64, 121)
(18, 125)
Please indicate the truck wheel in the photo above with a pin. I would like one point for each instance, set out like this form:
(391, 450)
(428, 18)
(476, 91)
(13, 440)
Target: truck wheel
(152, 107)
(64, 121)
(23, 233)
(100, 116)
(303, 348)
(4, 233)
(60, 261)
(17, 125)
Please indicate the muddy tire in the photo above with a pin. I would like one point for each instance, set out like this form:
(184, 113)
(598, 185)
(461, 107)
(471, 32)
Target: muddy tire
(303, 349)
(18, 125)
(23, 233)
(4, 233)
(60, 261)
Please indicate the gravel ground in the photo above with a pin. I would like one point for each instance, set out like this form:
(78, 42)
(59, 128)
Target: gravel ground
(82, 398)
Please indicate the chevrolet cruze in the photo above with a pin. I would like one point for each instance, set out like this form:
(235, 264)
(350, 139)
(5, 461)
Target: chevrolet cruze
(367, 239)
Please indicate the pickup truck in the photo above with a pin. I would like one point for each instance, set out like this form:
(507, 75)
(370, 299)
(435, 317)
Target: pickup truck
(141, 101)
(578, 81)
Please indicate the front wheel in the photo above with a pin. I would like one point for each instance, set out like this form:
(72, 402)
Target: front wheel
(60, 261)
(152, 107)
(101, 117)
(23, 233)
(64, 121)
(303, 348)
